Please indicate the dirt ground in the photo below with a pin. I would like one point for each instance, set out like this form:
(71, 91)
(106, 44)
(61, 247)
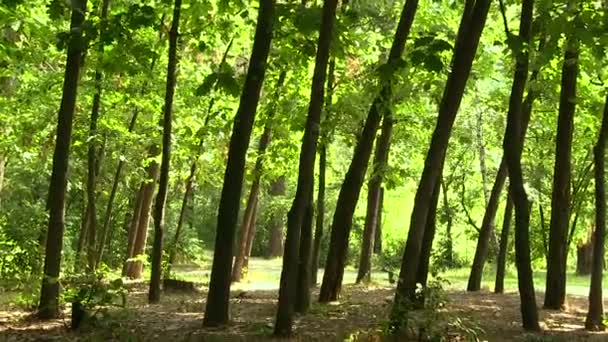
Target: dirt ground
(359, 316)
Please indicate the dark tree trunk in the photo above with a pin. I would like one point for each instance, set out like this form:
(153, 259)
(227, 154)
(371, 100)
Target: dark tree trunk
(487, 225)
(49, 294)
(449, 221)
(275, 248)
(132, 234)
(303, 287)
(584, 257)
(351, 187)
(135, 267)
(427, 245)
(378, 234)
(289, 273)
(466, 46)
(251, 236)
(92, 152)
(555, 291)
(595, 315)
(373, 199)
(216, 311)
(247, 227)
(320, 218)
(512, 146)
(163, 184)
(501, 261)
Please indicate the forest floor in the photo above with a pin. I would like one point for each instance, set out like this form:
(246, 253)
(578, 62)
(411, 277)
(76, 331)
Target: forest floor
(359, 316)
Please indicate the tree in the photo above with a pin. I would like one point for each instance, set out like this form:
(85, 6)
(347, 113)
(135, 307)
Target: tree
(49, 293)
(373, 199)
(216, 311)
(163, 184)
(501, 260)
(277, 190)
(512, 146)
(595, 315)
(555, 292)
(295, 217)
(349, 192)
(247, 228)
(469, 33)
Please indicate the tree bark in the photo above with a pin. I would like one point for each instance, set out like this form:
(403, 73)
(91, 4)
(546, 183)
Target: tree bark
(555, 291)
(373, 199)
(501, 261)
(378, 234)
(289, 273)
(303, 287)
(134, 267)
(216, 311)
(467, 40)
(449, 221)
(242, 254)
(49, 293)
(512, 146)
(320, 218)
(422, 273)
(275, 248)
(595, 315)
(163, 184)
(132, 233)
(351, 187)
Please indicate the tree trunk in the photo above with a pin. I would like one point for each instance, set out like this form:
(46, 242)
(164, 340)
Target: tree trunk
(555, 292)
(303, 287)
(289, 273)
(320, 218)
(512, 145)
(163, 184)
(487, 226)
(135, 267)
(449, 221)
(595, 315)
(427, 245)
(275, 248)
(49, 293)
(216, 311)
(251, 236)
(373, 199)
(132, 233)
(246, 228)
(501, 261)
(378, 234)
(584, 257)
(351, 187)
(92, 152)
(466, 46)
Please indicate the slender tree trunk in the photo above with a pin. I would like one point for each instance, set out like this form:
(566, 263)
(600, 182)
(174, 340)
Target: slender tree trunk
(182, 213)
(427, 244)
(216, 311)
(275, 249)
(289, 273)
(595, 315)
(251, 236)
(92, 152)
(320, 218)
(349, 192)
(555, 291)
(247, 226)
(467, 40)
(163, 185)
(378, 233)
(303, 287)
(49, 293)
(487, 225)
(501, 261)
(373, 198)
(105, 232)
(512, 146)
(135, 267)
(449, 221)
(132, 233)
